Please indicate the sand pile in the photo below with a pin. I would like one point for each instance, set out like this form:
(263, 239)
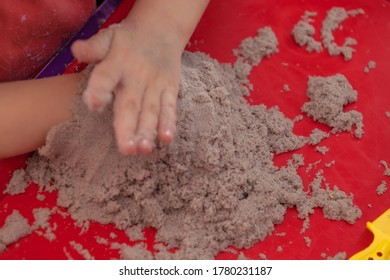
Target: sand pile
(215, 186)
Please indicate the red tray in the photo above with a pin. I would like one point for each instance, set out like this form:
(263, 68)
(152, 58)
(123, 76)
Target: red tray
(357, 169)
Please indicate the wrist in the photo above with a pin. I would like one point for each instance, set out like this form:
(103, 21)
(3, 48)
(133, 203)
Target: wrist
(164, 33)
(173, 23)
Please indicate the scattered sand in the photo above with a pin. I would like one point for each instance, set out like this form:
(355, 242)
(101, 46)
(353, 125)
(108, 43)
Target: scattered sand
(310, 166)
(328, 96)
(382, 188)
(316, 136)
(334, 18)
(387, 169)
(242, 257)
(250, 53)
(335, 204)
(305, 225)
(298, 118)
(113, 235)
(81, 250)
(308, 241)
(41, 197)
(67, 254)
(14, 228)
(308, 15)
(329, 164)
(263, 256)
(102, 240)
(253, 50)
(42, 217)
(371, 65)
(322, 149)
(303, 33)
(17, 184)
(136, 252)
(338, 256)
(286, 88)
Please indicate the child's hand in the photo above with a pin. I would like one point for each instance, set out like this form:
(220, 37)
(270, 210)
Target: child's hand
(141, 68)
(139, 62)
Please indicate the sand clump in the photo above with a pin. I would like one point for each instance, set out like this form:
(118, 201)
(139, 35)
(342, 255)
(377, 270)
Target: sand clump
(386, 167)
(81, 250)
(250, 53)
(15, 227)
(254, 49)
(308, 241)
(329, 164)
(334, 18)
(286, 88)
(328, 96)
(370, 65)
(215, 186)
(322, 149)
(381, 188)
(304, 31)
(316, 136)
(17, 184)
(338, 256)
(335, 204)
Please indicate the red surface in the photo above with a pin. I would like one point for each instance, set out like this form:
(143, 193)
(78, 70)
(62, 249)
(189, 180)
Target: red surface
(357, 169)
(19, 20)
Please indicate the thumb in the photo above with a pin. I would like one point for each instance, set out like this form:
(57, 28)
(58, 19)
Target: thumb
(93, 49)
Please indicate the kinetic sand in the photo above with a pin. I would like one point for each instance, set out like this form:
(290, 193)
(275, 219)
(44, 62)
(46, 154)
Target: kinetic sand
(303, 33)
(215, 186)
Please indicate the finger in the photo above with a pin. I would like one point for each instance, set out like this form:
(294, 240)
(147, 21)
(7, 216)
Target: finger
(148, 120)
(95, 48)
(126, 110)
(167, 125)
(105, 77)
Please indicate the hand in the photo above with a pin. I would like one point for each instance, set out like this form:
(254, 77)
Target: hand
(141, 68)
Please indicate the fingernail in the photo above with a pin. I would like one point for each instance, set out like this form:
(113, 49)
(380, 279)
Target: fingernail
(167, 135)
(97, 102)
(105, 98)
(87, 100)
(146, 146)
(100, 101)
(92, 101)
(131, 143)
(168, 132)
(130, 147)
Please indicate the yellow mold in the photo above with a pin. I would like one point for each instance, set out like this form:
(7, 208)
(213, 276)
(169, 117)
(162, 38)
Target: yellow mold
(379, 249)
